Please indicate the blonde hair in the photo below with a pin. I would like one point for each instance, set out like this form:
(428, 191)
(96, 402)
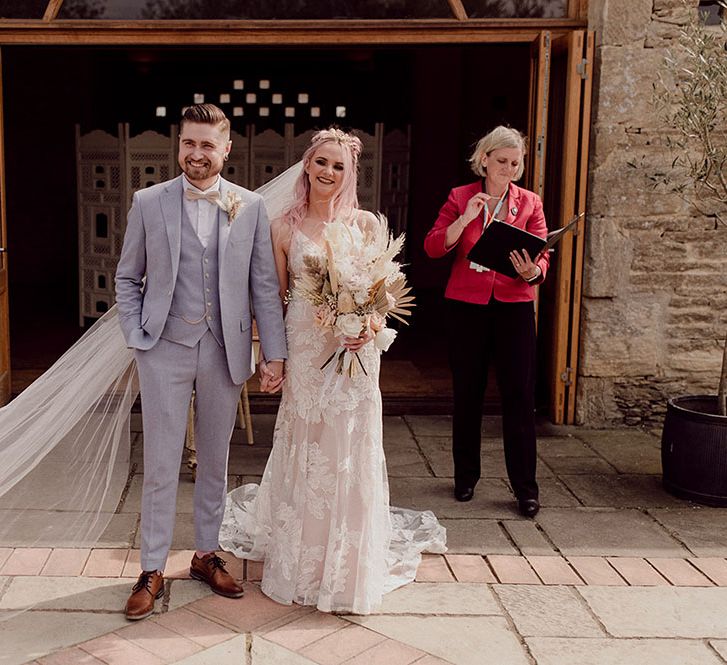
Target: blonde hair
(500, 137)
(345, 201)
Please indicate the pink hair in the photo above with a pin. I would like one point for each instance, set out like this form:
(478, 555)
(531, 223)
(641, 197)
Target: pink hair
(345, 201)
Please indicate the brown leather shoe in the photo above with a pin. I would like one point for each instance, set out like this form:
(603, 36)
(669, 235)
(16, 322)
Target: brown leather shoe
(211, 570)
(143, 594)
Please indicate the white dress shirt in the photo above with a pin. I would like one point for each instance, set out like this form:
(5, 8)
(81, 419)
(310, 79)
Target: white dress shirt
(201, 212)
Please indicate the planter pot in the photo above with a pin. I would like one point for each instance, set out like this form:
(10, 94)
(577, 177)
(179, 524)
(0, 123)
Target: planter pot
(694, 450)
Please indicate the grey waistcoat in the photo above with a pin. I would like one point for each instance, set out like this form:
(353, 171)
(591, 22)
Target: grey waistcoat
(196, 292)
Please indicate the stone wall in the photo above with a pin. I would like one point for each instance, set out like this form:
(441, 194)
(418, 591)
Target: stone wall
(654, 311)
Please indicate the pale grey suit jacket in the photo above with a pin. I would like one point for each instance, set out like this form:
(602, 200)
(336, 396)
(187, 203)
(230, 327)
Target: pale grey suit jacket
(247, 275)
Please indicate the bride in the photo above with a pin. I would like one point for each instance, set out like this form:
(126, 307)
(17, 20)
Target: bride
(321, 518)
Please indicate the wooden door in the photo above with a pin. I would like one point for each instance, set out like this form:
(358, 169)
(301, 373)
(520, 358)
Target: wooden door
(538, 111)
(4, 313)
(566, 180)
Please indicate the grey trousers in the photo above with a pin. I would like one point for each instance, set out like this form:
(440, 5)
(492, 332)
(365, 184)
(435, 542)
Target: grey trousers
(168, 373)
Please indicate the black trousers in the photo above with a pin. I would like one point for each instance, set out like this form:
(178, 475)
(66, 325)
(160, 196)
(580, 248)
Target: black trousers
(502, 333)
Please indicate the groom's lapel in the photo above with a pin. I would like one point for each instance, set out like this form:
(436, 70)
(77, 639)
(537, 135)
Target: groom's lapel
(171, 204)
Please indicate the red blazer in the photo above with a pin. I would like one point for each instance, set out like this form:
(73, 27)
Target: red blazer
(524, 210)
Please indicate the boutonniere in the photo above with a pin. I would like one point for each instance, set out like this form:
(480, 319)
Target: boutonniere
(232, 204)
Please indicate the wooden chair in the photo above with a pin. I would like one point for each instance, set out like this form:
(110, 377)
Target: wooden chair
(244, 417)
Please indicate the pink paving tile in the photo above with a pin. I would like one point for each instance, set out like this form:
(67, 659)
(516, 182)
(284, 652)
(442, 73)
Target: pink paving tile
(680, 572)
(596, 571)
(132, 567)
(170, 646)
(72, 656)
(342, 645)
(26, 561)
(254, 571)
(470, 568)
(388, 652)
(194, 627)
(245, 614)
(433, 568)
(512, 569)
(309, 628)
(553, 570)
(105, 563)
(637, 571)
(5, 553)
(115, 650)
(178, 562)
(430, 660)
(66, 562)
(713, 567)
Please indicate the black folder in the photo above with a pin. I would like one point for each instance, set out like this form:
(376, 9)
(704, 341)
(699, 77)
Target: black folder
(493, 248)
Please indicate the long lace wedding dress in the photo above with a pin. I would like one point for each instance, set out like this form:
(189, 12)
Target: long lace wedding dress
(320, 518)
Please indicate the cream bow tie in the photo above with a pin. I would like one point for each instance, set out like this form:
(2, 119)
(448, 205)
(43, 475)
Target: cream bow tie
(212, 197)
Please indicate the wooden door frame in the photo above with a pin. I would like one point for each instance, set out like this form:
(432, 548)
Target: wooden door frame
(4, 301)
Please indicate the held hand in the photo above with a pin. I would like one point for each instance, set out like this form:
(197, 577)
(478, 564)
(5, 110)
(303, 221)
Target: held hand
(524, 265)
(271, 376)
(354, 344)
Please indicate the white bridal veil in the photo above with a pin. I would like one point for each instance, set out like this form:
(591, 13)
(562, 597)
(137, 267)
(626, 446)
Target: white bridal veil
(64, 441)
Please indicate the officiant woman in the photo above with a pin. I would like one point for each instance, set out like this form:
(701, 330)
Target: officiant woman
(491, 316)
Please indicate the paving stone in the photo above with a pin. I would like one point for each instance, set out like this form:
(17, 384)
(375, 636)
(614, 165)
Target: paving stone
(168, 645)
(433, 568)
(637, 571)
(397, 433)
(252, 612)
(555, 447)
(183, 592)
(492, 463)
(427, 660)
(430, 425)
(66, 593)
(105, 563)
(600, 651)
(115, 650)
(388, 652)
(458, 640)
(680, 572)
(607, 533)
(204, 632)
(342, 645)
(633, 611)
(528, 538)
(596, 570)
(714, 568)
(512, 569)
(700, 528)
(720, 646)
(577, 465)
(547, 611)
(309, 628)
(66, 562)
(406, 462)
(470, 568)
(476, 536)
(554, 494)
(72, 656)
(230, 652)
(120, 531)
(440, 599)
(620, 491)
(48, 528)
(26, 561)
(629, 451)
(5, 553)
(492, 498)
(263, 653)
(254, 571)
(31, 634)
(553, 570)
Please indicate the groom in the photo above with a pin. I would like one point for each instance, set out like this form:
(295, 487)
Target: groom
(196, 259)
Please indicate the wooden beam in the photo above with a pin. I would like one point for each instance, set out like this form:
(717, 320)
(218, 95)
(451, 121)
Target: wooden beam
(51, 11)
(277, 33)
(458, 9)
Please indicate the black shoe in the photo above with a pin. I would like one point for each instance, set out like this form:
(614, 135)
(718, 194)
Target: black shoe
(464, 493)
(528, 507)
